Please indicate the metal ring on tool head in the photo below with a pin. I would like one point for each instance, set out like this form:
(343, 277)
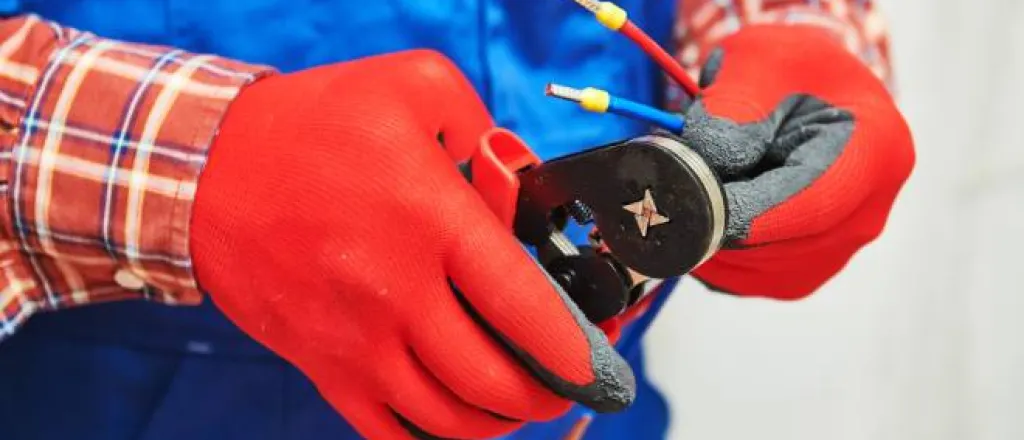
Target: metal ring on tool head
(671, 210)
(712, 186)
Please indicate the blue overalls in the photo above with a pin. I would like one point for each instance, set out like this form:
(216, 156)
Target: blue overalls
(134, 370)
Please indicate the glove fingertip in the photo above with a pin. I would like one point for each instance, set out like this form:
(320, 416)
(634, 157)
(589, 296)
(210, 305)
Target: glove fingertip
(613, 385)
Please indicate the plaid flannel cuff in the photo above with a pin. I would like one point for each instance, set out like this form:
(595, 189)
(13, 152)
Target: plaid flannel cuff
(105, 146)
(701, 25)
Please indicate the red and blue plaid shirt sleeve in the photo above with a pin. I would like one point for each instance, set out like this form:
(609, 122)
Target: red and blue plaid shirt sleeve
(101, 145)
(701, 24)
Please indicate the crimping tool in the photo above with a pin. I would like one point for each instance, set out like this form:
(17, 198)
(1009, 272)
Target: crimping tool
(658, 209)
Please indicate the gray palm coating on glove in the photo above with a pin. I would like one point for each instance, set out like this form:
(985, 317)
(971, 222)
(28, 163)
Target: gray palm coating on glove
(765, 163)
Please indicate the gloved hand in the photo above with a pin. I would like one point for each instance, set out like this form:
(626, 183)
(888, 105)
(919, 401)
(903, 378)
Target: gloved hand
(332, 225)
(812, 151)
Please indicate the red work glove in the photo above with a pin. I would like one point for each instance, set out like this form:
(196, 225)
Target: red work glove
(812, 151)
(331, 225)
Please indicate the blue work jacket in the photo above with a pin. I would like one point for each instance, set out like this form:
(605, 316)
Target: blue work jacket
(135, 370)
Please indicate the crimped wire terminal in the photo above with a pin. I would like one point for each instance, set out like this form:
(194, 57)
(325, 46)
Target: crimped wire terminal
(589, 5)
(615, 18)
(591, 99)
(600, 101)
(607, 13)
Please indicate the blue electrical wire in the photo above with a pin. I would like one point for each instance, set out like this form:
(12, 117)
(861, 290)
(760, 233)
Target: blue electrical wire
(600, 101)
(632, 109)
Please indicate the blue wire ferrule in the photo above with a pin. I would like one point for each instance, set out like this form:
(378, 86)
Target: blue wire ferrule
(600, 101)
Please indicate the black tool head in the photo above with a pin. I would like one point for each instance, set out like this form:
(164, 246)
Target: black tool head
(659, 207)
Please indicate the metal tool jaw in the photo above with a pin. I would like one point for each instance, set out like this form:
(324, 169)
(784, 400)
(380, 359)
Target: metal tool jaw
(659, 212)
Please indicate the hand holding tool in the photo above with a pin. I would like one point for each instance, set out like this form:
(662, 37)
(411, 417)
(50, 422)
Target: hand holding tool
(809, 144)
(331, 225)
(812, 151)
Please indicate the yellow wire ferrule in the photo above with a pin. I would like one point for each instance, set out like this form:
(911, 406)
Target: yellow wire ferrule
(595, 100)
(611, 15)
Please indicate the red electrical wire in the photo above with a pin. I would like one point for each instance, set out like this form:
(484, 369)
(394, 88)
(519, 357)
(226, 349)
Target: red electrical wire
(667, 63)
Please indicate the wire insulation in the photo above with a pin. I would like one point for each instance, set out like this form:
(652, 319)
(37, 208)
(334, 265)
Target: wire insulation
(615, 18)
(600, 101)
(668, 121)
(661, 57)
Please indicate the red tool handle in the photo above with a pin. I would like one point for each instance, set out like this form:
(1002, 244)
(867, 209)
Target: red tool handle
(495, 165)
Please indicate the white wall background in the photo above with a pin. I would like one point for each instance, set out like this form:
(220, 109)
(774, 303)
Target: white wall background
(922, 337)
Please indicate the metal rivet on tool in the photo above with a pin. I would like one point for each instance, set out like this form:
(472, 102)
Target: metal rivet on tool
(646, 213)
